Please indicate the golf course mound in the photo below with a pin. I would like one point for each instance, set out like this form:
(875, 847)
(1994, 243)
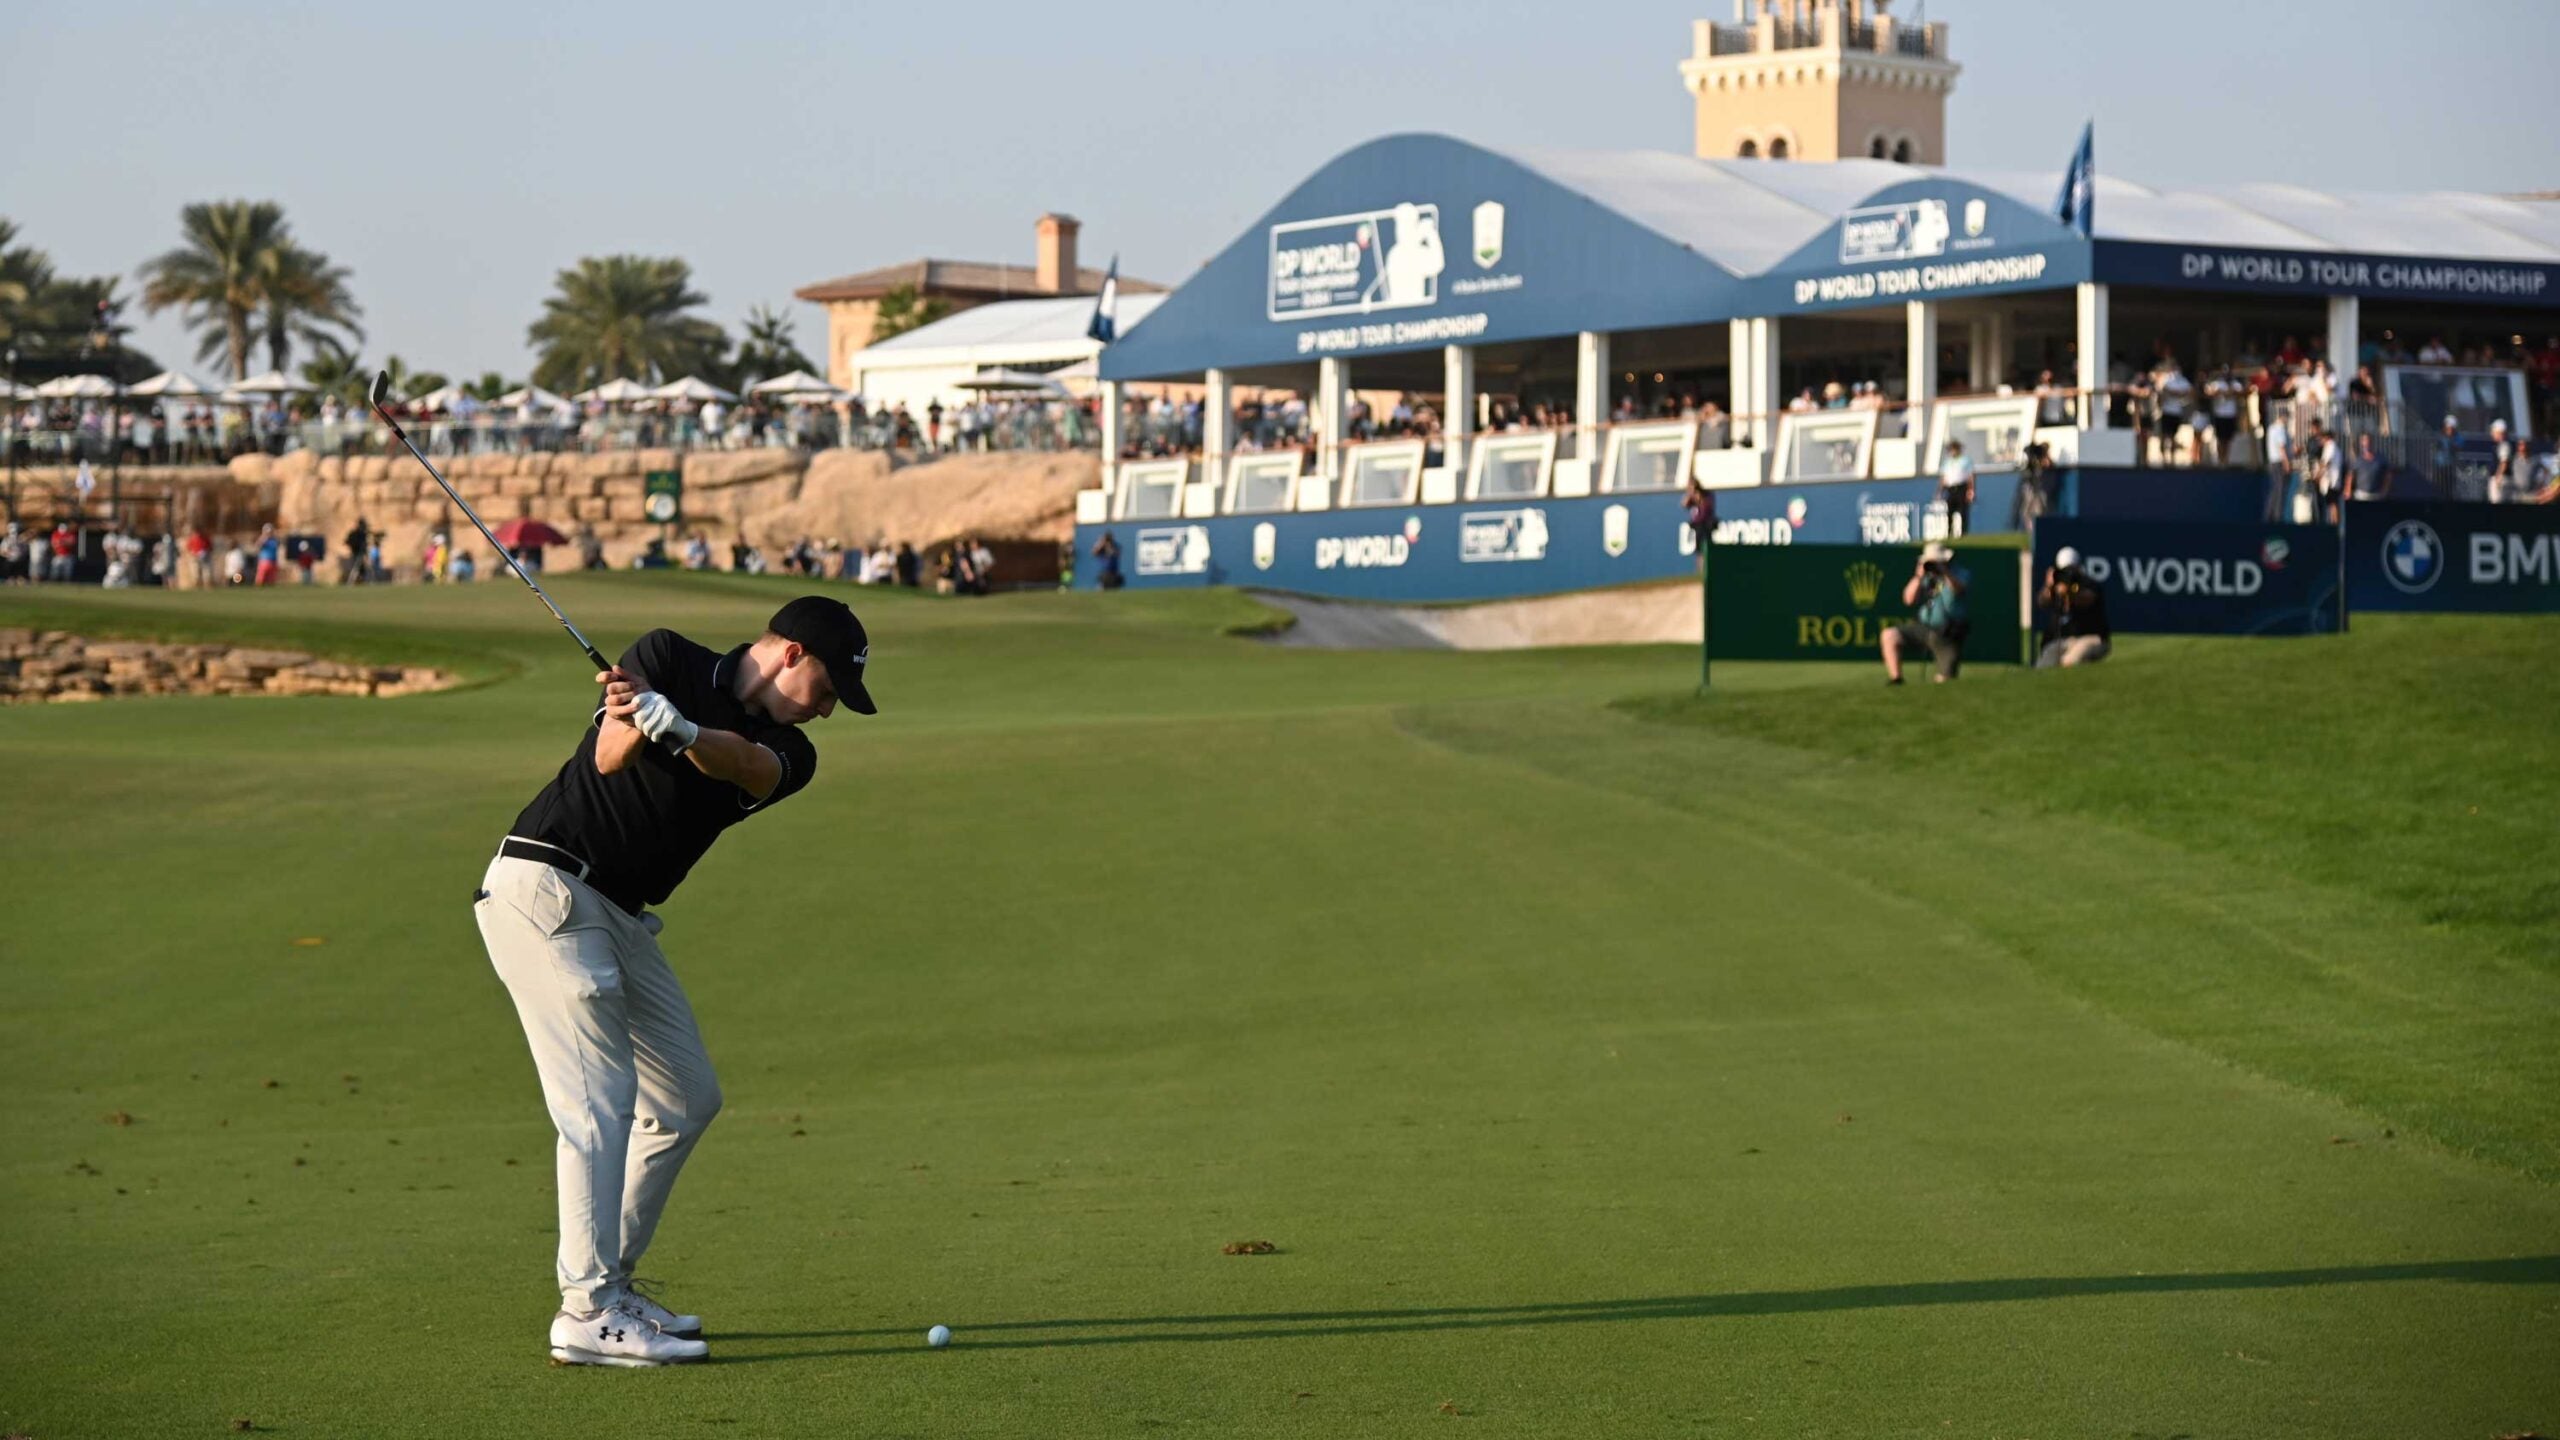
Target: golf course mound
(55, 666)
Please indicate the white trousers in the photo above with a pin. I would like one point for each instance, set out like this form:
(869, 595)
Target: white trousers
(622, 1065)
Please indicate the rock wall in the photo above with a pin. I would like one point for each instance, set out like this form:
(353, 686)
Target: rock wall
(51, 665)
(770, 497)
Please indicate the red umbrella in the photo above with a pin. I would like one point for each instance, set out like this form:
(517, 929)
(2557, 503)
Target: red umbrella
(528, 535)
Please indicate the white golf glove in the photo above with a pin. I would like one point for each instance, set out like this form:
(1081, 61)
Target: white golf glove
(660, 720)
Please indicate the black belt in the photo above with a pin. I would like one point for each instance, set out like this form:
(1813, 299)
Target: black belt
(537, 851)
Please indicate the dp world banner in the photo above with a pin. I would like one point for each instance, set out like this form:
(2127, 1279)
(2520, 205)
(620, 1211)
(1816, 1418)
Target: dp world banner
(2163, 579)
(1834, 602)
(2449, 555)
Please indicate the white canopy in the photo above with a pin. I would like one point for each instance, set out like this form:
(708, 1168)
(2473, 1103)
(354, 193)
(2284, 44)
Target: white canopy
(171, 384)
(1011, 381)
(690, 388)
(540, 398)
(274, 382)
(615, 392)
(796, 383)
(77, 387)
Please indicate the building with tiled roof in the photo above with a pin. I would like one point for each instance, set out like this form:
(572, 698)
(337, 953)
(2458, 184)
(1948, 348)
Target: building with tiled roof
(853, 301)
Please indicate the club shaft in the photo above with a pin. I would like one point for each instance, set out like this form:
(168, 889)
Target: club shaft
(473, 516)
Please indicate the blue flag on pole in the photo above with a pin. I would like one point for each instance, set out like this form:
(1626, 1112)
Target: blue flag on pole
(1105, 325)
(2078, 205)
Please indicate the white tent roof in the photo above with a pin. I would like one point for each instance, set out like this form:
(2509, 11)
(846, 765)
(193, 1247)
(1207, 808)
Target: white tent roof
(1747, 215)
(615, 392)
(690, 388)
(1007, 332)
(170, 383)
(796, 382)
(542, 399)
(77, 387)
(274, 382)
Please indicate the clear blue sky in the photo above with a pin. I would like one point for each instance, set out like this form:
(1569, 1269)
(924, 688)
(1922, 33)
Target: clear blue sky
(456, 155)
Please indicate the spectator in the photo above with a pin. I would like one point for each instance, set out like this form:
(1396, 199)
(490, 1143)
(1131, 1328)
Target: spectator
(351, 565)
(1939, 623)
(1698, 506)
(1106, 553)
(2371, 480)
(2075, 609)
(1955, 488)
(2506, 471)
(270, 555)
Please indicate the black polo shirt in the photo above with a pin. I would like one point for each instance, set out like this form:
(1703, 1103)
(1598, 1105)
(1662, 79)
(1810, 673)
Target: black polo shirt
(642, 828)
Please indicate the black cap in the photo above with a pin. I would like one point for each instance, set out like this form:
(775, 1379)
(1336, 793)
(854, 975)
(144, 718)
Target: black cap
(826, 628)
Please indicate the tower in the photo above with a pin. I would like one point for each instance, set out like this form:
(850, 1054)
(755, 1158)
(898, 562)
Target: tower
(1820, 80)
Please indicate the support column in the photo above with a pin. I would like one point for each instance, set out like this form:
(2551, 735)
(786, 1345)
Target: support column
(2091, 377)
(1457, 405)
(1590, 393)
(1217, 419)
(1333, 394)
(2345, 323)
(1109, 403)
(1754, 360)
(1919, 361)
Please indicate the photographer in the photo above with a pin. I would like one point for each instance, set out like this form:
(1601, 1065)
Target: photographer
(1936, 593)
(2075, 626)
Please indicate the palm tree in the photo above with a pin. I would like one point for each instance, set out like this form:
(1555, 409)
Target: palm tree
(338, 372)
(217, 276)
(622, 317)
(408, 384)
(902, 310)
(305, 299)
(765, 349)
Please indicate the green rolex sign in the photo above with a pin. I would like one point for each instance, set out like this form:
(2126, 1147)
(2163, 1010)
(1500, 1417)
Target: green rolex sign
(1834, 602)
(662, 495)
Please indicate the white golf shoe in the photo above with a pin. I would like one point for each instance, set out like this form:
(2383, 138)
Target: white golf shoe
(683, 1327)
(618, 1336)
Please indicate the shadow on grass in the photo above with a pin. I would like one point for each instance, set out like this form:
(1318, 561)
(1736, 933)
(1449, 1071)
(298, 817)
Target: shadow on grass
(1161, 1329)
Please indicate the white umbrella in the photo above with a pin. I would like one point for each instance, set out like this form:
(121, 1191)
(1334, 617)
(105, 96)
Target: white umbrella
(274, 382)
(170, 384)
(1014, 381)
(77, 387)
(796, 383)
(443, 397)
(542, 399)
(692, 389)
(615, 392)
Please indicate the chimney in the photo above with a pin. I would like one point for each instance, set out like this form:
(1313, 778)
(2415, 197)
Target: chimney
(1057, 254)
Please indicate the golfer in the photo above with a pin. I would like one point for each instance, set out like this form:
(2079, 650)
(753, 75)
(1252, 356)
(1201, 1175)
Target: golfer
(688, 742)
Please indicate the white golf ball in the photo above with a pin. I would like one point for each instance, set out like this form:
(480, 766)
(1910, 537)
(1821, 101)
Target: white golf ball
(938, 1336)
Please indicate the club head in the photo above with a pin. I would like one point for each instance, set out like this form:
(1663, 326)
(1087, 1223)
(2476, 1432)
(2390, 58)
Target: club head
(381, 387)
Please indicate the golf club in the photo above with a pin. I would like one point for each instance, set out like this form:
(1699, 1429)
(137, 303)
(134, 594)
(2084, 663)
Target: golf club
(381, 390)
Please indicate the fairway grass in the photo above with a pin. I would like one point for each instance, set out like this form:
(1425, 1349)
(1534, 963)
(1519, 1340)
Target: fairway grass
(2156, 1050)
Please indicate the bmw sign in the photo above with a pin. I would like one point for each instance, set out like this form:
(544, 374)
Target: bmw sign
(2412, 557)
